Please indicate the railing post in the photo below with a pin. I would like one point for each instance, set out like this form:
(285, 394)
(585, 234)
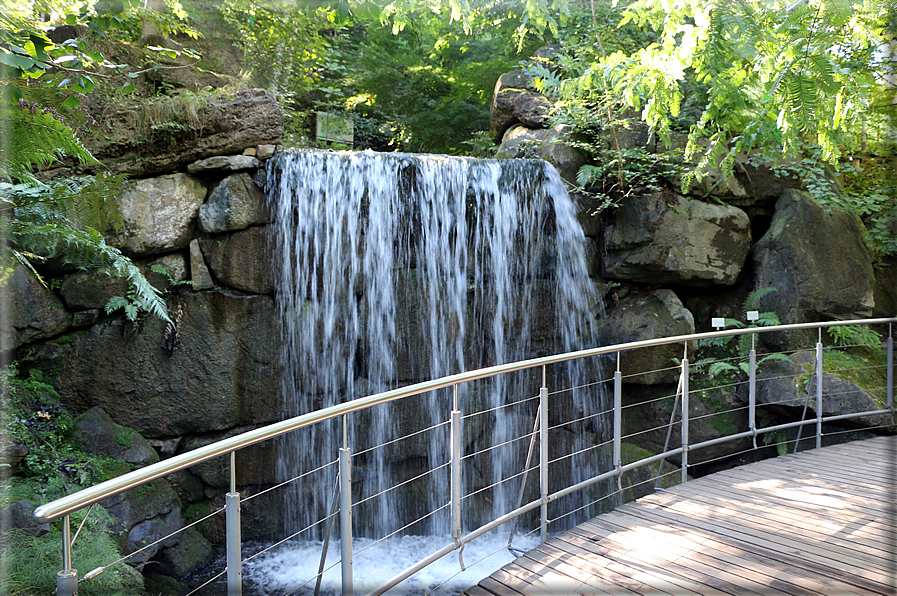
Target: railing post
(456, 468)
(345, 513)
(752, 392)
(67, 579)
(618, 421)
(890, 369)
(543, 455)
(233, 538)
(685, 416)
(819, 391)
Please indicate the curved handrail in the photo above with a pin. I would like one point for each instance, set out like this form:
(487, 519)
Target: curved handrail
(83, 498)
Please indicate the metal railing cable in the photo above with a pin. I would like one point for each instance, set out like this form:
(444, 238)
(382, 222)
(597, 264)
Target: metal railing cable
(494, 484)
(583, 450)
(288, 538)
(402, 438)
(501, 407)
(581, 419)
(578, 387)
(207, 582)
(497, 445)
(61, 508)
(403, 483)
(290, 481)
(100, 570)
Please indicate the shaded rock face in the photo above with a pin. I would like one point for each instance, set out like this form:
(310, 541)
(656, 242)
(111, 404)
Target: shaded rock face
(235, 203)
(100, 435)
(18, 515)
(241, 260)
(226, 126)
(93, 289)
(502, 119)
(792, 386)
(527, 107)
(645, 316)
(32, 312)
(159, 214)
(664, 238)
(552, 145)
(144, 515)
(817, 261)
(225, 373)
(886, 288)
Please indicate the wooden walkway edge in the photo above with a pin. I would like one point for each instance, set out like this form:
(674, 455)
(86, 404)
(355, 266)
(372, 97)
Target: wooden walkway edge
(819, 522)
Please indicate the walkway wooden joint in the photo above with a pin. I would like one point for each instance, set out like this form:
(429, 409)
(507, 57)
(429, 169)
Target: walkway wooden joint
(818, 522)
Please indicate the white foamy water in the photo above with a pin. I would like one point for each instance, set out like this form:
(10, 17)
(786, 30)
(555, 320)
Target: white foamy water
(292, 568)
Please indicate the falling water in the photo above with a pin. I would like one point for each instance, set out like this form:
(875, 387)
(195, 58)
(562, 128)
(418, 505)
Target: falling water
(399, 268)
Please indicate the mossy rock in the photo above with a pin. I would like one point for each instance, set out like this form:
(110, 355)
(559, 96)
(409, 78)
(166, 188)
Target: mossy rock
(640, 482)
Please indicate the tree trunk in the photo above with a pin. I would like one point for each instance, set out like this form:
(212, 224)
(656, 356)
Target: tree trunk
(149, 33)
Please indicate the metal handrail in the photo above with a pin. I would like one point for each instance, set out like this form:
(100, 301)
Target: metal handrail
(83, 498)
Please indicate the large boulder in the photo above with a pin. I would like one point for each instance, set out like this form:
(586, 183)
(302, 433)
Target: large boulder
(224, 374)
(234, 204)
(665, 238)
(241, 260)
(528, 107)
(789, 386)
(712, 414)
(143, 516)
(647, 316)
(222, 126)
(32, 312)
(99, 435)
(816, 259)
(501, 120)
(159, 214)
(19, 515)
(92, 289)
(551, 144)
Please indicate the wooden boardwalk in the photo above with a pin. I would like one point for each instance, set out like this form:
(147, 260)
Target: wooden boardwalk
(819, 522)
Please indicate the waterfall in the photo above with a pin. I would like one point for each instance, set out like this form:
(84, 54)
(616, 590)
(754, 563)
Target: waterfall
(397, 268)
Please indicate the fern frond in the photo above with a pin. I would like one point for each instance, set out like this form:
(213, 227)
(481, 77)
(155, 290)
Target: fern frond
(86, 249)
(36, 139)
(776, 356)
(720, 366)
(754, 298)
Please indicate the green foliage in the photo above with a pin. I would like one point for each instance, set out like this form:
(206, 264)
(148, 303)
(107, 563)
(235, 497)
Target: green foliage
(618, 174)
(285, 46)
(767, 76)
(410, 77)
(43, 86)
(854, 336)
(723, 356)
(31, 416)
(56, 221)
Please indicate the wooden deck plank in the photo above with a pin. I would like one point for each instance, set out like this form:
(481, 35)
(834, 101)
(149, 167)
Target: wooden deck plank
(769, 562)
(707, 554)
(672, 573)
(793, 517)
(792, 544)
(805, 494)
(815, 522)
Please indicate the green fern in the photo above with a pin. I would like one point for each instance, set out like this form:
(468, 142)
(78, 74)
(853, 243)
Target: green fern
(37, 138)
